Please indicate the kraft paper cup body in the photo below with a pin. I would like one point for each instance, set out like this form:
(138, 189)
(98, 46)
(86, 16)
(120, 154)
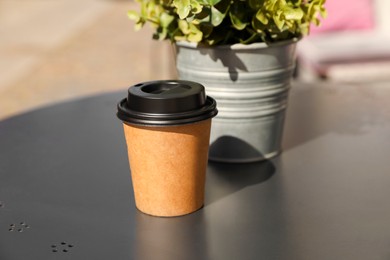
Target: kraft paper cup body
(167, 130)
(168, 167)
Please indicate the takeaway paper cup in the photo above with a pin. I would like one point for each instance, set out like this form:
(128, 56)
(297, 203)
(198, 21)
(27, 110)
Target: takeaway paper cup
(167, 130)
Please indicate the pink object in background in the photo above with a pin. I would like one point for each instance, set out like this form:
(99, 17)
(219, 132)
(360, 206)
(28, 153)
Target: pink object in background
(346, 15)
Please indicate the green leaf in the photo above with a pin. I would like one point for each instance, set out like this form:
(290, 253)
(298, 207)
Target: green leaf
(184, 26)
(293, 13)
(165, 20)
(210, 2)
(183, 8)
(197, 37)
(229, 21)
(138, 26)
(133, 15)
(216, 16)
(262, 17)
(237, 23)
(196, 7)
(305, 28)
(279, 22)
(238, 15)
(160, 34)
(257, 25)
(195, 34)
(323, 11)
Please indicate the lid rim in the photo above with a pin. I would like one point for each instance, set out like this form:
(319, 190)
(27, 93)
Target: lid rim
(168, 123)
(154, 119)
(139, 114)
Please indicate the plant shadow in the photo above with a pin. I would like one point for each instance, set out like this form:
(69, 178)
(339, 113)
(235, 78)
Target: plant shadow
(232, 62)
(237, 59)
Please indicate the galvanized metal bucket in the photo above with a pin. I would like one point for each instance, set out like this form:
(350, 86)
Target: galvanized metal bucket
(250, 84)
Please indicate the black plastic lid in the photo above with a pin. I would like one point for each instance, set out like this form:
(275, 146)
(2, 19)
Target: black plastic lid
(166, 102)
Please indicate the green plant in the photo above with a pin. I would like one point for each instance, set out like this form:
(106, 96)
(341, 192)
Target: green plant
(213, 22)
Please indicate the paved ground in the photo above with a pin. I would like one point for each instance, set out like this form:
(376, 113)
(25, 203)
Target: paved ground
(51, 51)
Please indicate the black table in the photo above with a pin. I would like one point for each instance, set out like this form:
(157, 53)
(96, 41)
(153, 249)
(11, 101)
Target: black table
(65, 188)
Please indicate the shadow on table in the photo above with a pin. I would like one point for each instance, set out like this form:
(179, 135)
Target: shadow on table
(234, 150)
(232, 177)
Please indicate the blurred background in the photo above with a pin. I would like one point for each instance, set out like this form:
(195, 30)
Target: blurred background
(351, 45)
(52, 51)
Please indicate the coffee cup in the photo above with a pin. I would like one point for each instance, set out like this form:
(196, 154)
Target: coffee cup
(167, 130)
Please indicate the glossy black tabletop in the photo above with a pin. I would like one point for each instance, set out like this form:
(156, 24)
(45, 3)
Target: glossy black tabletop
(65, 187)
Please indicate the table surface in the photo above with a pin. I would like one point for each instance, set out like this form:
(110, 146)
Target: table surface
(65, 187)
